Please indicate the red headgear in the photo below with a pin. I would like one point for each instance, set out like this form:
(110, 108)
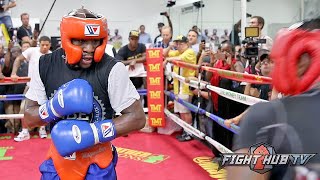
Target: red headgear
(82, 26)
(286, 52)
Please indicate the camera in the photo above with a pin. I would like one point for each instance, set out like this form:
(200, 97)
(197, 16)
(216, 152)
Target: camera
(208, 47)
(252, 49)
(171, 3)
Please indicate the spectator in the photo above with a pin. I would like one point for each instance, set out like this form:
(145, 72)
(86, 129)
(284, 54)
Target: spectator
(25, 32)
(13, 107)
(215, 38)
(185, 54)
(116, 40)
(31, 55)
(193, 40)
(225, 36)
(133, 55)
(2, 91)
(261, 91)
(5, 17)
(160, 25)
(3, 129)
(158, 38)
(258, 21)
(222, 106)
(196, 29)
(144, 37)
(206, 36)
(166, 35)
(234, 35)
(109, 37)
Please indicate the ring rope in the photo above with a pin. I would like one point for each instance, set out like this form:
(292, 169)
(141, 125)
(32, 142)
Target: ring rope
(234, 128)
(11, 116)
(241, 98)
(236, 76)
(196, 132)
(10, 81)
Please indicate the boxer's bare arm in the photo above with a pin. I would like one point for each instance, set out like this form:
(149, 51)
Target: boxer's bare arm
(31, 114)
(132, 119)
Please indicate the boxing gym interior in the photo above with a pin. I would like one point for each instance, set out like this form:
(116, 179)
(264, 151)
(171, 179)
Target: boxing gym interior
(159, 89)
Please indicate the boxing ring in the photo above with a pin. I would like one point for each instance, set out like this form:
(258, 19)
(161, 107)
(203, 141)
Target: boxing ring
(156, 90)
(158, 113)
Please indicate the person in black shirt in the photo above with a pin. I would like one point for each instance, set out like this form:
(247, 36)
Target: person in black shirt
(133, 55)
(25, 31)
(288, 124)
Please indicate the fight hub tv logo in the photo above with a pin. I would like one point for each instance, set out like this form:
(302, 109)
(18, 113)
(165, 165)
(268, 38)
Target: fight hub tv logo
(92, 30)
(262, 157)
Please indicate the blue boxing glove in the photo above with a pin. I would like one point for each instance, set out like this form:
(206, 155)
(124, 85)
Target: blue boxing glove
(70, 136)
(76, 96)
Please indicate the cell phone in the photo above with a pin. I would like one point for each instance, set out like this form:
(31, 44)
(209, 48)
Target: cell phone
(207, 47)
(221, 56)
(37, 27)
(162, 13)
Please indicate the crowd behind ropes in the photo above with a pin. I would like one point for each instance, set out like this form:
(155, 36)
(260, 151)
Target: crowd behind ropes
(21, 54)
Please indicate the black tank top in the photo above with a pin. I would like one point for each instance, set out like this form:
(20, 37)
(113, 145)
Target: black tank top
(54, 72)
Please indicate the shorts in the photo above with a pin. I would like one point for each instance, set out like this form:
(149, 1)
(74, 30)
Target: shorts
(23, 102)
(94, 172)
(179, 108)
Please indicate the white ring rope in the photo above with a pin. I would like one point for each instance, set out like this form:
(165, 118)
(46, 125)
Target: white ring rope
(188, 128)
(241, 98)
(11, 116)
(20, 116)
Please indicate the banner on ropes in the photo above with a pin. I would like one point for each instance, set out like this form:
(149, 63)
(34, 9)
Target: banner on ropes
(155, 87)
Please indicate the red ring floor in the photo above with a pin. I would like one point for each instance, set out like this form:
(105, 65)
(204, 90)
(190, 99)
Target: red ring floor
(141, 156)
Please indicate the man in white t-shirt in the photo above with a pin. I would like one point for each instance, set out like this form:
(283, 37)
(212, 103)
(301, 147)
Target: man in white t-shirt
(32, 55)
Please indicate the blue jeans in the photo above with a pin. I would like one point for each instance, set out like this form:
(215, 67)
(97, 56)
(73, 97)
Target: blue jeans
(6, 20)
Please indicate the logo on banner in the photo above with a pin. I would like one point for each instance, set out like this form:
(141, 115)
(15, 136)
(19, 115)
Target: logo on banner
(155, 94)
(107, 130)
(154, 67)
(262, 158)
(154, 53)
(92, 30)
(155, 108)
(154, 81)
(156, 121)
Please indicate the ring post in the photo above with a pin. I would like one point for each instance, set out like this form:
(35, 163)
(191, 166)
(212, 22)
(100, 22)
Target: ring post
(155, 87)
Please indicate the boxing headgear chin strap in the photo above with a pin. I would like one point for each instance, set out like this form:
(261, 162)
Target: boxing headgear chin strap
(286, 52)
(72, 27)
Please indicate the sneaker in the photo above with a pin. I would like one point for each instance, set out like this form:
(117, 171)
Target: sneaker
(42, 133)
(22, 136)
(185, 137)
(181, 135)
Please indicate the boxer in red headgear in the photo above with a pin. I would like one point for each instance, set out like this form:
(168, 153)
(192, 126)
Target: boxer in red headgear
(77, 90)
(89, 28)
(288, 125)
